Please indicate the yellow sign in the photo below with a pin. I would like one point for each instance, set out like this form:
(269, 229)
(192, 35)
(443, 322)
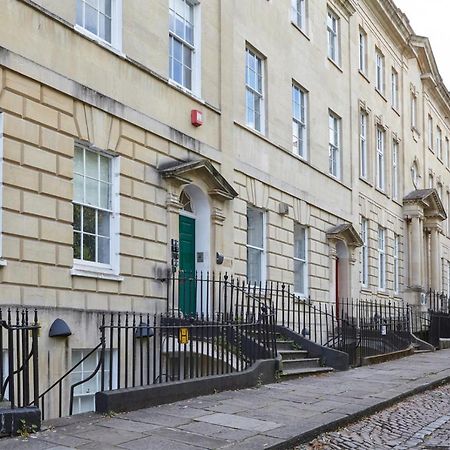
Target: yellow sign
(183, 335)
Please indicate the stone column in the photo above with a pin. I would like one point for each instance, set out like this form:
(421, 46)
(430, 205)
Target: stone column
(333, 259)
(435, 258)
(415, 247)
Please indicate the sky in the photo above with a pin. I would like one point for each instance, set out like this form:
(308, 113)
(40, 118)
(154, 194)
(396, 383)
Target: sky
(430, 18)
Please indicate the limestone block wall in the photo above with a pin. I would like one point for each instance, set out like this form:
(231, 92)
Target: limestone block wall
(41, 127)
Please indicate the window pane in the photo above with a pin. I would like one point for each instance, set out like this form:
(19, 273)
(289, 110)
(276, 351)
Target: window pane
(299, 243)
(103, 223)
(103, 250)
(78, 188)
(92, 164)
(299, 278)
(78, 160)
(105, 172)
(105, 28)
(88, 247)
(105, 196)
(105, 7)
(88, 220)
(254, 265)
(91, 192)
(91, 19)
(255, 228)
(77, 245)
(77, 217)
(80, 12)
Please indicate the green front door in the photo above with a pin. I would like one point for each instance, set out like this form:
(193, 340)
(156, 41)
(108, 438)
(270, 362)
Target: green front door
(186, 294)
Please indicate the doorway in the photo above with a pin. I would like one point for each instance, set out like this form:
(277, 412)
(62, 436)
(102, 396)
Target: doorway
(194, 246)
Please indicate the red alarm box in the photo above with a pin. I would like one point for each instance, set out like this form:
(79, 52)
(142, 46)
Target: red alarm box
(196, 118)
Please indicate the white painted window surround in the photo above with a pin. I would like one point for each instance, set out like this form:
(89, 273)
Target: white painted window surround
(298, 8)
(2, 261)
(362, 51)
(184, 45)
(334, 145)
(382, 258)
(300, 260)
(396, 263)
(379, 72)
(256, 245)
(101, 20)
(96, 214)
(254, 90)
(380, 137)
(365, 252)
(333, 37)
(299, 121)
(363, 161)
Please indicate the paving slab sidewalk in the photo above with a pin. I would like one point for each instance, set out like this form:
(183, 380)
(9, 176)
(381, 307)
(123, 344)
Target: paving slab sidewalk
(274, 416)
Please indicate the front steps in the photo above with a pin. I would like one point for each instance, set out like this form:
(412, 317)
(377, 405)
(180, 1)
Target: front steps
(295, 362)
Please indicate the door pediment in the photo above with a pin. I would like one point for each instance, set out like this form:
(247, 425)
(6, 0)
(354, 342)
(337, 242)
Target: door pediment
(187, 172)
(345, 232)
(428, 200)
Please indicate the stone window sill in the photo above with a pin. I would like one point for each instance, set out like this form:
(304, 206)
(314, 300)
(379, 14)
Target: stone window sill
(78, 272)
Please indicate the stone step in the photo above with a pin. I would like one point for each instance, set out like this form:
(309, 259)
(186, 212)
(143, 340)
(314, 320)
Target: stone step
(421, 351)
(285, 345)
(290, 364)
(292, 354)
(297, 373)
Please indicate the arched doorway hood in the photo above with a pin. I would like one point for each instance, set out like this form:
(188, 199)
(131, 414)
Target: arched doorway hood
(184, 173)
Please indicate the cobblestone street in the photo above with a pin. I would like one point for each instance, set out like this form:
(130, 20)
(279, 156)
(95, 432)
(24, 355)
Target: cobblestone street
(421, 422)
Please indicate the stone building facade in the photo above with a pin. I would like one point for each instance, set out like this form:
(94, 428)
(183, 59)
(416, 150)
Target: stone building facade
(304, 141)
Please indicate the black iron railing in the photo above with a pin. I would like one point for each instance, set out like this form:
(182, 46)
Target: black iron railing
(359, 327)
(142, 349)
(19, 370)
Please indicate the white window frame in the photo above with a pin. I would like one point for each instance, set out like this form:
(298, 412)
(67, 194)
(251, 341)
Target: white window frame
(194, 47)
(304, 261)
(2, 261)
(258, 95)
(95, 269)
(430, 133)
(396, 263)
(299, 14)
(116, 27)
(300, 122)
(381, 166)
(363, 147)
(334, 144)
(394, 88)
(365, 252)
(333, 34)
(262, 250)
(362, 62)
(85, 374)
(379, 71)
(395, 171)
(381, 258)
(439, 142)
